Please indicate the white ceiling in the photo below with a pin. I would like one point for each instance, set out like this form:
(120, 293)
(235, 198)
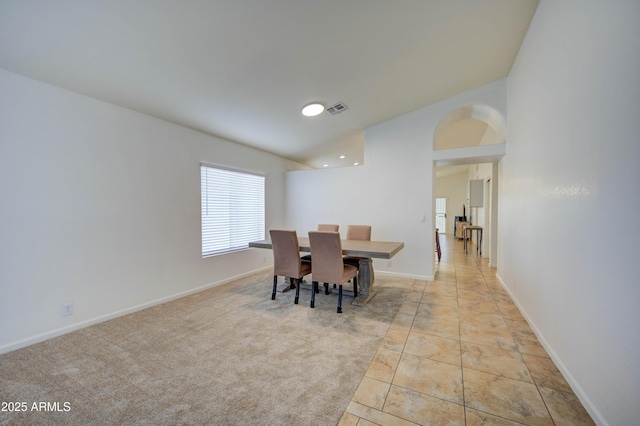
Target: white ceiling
(243, 69)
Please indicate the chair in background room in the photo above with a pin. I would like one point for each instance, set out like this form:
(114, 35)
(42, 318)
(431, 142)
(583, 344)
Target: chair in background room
(286, 260)
(328, 266)
(362, 233)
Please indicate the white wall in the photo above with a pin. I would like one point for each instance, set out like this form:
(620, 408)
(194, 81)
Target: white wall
(570, 191)
(101, 208)
(392, 190)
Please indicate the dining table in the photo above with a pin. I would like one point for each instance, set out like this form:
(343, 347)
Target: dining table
(364, 250)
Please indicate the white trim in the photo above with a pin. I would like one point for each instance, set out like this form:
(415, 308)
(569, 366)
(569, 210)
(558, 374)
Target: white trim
(400, 275)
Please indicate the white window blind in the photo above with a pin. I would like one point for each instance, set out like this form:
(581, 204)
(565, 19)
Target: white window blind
(232, 209)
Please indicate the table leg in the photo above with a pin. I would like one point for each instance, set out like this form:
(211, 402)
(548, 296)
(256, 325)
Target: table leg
(365, 283)
(464, 232)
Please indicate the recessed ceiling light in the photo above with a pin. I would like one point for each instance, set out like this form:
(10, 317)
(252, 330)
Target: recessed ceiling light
(325, 165)
(312, 109)
(342, 156)
(355, 164)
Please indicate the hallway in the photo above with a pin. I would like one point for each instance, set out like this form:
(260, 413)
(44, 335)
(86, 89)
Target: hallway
(460, 353)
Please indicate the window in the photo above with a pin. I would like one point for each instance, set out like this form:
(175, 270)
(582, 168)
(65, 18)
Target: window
(232, 209)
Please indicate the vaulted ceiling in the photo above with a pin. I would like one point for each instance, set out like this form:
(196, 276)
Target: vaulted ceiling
(243, 69)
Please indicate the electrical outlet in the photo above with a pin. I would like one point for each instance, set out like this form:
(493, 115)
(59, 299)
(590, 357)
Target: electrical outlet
(389, 263)
(67, 309)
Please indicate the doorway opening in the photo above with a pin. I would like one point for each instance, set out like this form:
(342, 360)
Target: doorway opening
(468, 136)
(441, 215)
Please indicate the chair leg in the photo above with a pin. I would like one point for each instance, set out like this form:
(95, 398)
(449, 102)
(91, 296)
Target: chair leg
(326, 288)
(297, 282)
(314, 287)
(340, 299)
(275, 285)
(355, 286)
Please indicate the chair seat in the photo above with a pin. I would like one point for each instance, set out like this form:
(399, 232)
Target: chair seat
(305, 269)
(350, 271)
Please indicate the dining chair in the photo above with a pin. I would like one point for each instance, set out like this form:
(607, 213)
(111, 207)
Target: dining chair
(361, 233)
(286, 260)
(328, 267)
(323, 227)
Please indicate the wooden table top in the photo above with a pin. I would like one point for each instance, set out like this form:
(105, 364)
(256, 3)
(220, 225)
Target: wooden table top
(374, 249)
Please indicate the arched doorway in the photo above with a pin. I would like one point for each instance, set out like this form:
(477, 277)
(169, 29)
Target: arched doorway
(473, 135)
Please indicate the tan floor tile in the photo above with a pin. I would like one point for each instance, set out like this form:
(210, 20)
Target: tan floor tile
(433, 347)
(443, 289)
(518, 325)
(545, 373)
(437, 299)
(423, 409)
(475, 306)
(473, 295)
(395, 339)
(430, 377)
(403, 320)
(417, 376)
(409, 307)
(477, 284)
(438, 327)
(449, 313)
(565, 408)
(414, 296)
(371, 392)
(497, 289)
(470, 281)
(502, 397)
(376, 416)
(499, 362)
(348, 419)
(364, 422)
(445, 276)
(383, 365)
(489, 319)
(507, 307)
(419, 285)
(485, 335)
(528, 343)
(478, 418)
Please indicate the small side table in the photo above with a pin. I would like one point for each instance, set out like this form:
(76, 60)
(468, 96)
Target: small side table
(470, 230)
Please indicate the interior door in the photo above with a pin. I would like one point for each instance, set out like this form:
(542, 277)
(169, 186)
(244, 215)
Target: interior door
(441, 215)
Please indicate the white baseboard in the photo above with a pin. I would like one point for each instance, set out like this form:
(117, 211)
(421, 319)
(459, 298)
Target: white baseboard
(83, 324)
(401, 275)
(577, 389)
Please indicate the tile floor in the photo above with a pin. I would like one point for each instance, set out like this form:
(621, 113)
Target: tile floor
(460, 353)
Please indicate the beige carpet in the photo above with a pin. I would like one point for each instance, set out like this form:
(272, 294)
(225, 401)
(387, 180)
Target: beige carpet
(225, 356)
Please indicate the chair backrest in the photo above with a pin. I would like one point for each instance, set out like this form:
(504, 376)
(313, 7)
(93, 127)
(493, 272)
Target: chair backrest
(324, 227)
(286, 253)
(326, 252)
(359, 232)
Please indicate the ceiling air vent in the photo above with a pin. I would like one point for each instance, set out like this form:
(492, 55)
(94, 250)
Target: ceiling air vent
(337, 108)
